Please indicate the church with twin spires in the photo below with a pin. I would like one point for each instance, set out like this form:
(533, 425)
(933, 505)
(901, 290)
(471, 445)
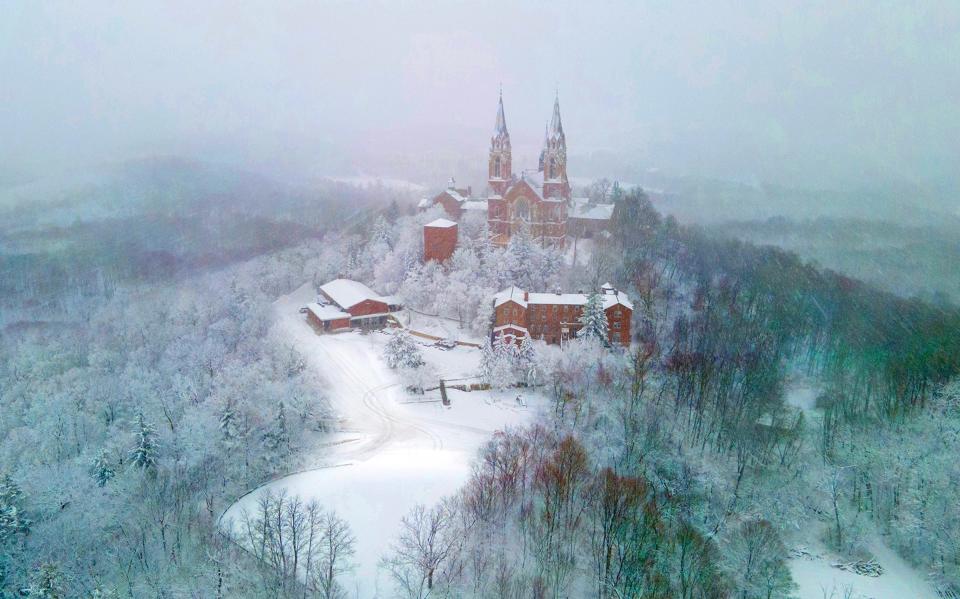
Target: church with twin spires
(539, 200)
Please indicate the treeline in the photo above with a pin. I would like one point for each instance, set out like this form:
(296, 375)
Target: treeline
(758, 308)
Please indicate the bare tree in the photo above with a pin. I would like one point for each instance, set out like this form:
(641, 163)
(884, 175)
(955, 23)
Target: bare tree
(427, 544)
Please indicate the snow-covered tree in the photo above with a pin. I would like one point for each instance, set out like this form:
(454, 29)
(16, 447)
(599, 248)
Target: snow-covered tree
(101, 469)
(594, 320)
(402, 352)
(381, 232)
(526, 361)
(13, 522)
(47, 582)
(277, 437)
(144, 454)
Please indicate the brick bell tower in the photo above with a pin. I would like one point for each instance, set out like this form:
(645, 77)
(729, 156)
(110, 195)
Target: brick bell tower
(553, 158)
(500, 168)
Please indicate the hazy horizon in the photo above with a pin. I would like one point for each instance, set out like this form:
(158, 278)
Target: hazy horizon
(827, 96)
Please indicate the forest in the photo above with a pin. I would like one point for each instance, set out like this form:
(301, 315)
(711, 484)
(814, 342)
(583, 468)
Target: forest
(136, 408)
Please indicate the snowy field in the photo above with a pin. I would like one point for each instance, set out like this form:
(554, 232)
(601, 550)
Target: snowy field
(818, 579)
(398, 450)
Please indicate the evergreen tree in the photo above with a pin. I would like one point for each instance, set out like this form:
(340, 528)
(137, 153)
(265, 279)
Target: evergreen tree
(402, 352)
(13, 521)
(488, 362)
(594, 320)
(47, 582)
(526, 361)
(144, 454)
(228, 422)
(380, 234)
(277, 438)
(102, 470)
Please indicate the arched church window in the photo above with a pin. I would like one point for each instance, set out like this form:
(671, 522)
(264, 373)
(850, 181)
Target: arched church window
(553, 168)
(521, 209)
(496, 167)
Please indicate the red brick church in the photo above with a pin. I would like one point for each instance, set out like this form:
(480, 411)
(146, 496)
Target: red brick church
(539, 199)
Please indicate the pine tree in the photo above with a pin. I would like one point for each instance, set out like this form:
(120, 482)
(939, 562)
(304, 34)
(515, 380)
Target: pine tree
(488, 362)
(526, 361)
(13, 521)
(47, 583)
(228, 422)
(144, 455)
(277, 439)
(402, 352)
(101, 470)
(594, 320)
(381, 233)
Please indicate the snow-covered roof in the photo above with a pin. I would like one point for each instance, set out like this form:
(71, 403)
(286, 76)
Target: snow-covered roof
(583, 209)
(424, 203)
(514, 294)
(326, 311)
(612, 297)
(515, 327)
(475, 204)
(455, 194)
(570, 299)
(346, 293)
(441, 223)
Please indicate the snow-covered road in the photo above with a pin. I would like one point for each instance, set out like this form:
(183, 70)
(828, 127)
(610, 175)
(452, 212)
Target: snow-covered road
(394, 453)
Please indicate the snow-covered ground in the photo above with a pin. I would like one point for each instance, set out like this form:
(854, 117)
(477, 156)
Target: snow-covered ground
(398, 450)
(814, 573)
(818, 579)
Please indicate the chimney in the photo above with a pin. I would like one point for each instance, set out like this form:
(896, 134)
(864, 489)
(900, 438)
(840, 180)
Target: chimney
(469, 191)
(526, 296)
(452, 183)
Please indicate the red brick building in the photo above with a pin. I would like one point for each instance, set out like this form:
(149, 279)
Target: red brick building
(555, 317)
(343, 304)
(536, 199)
(439, 240)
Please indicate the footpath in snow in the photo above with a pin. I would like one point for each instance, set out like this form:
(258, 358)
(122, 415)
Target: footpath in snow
(397, 450)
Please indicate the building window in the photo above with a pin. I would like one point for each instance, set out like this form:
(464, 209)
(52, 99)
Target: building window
(616, 325)
(521, 209)
(618, 312)
(496, 167)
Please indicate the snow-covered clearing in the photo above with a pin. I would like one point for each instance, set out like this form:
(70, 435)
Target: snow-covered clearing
(399, 449)
(813, 571)
(818, 579)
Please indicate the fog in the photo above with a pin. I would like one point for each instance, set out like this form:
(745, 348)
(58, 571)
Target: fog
(834, 95)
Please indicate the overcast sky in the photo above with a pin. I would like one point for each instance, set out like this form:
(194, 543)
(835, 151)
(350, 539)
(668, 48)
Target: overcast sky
(838, 94)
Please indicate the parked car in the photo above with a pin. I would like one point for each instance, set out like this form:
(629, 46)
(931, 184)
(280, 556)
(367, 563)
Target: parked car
(446, 344)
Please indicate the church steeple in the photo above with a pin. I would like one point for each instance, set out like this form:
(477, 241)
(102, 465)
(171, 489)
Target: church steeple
(554, 156)
(500, 167)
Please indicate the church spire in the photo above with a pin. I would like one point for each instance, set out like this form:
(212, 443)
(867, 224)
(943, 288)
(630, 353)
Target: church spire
(556, 127)
(554, 161)
(500, 128)
(500, 168)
